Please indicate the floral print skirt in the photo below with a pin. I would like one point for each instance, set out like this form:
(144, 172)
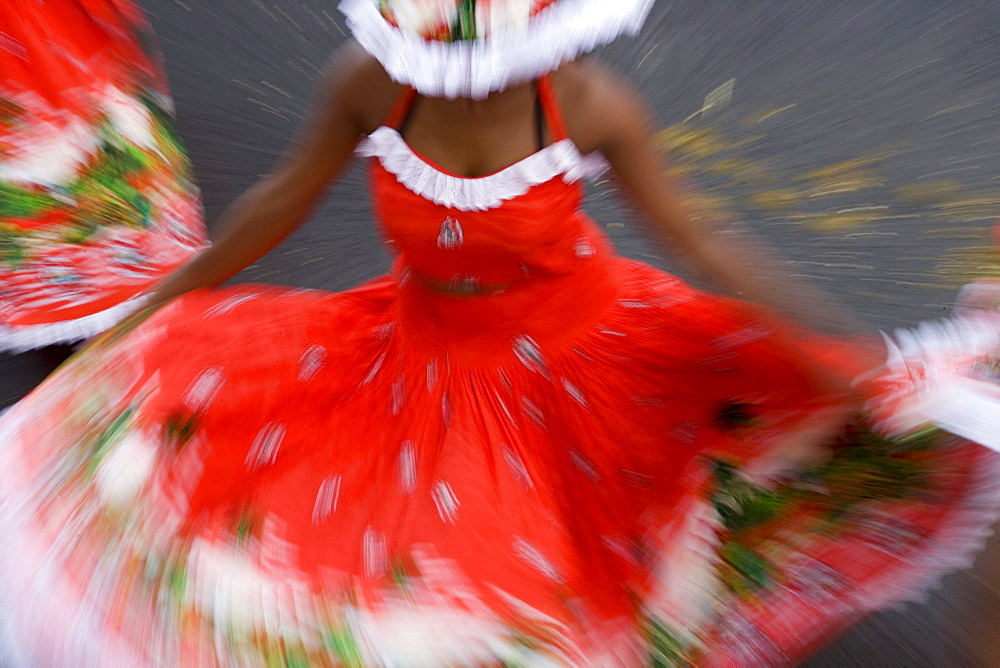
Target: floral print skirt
(96, 197)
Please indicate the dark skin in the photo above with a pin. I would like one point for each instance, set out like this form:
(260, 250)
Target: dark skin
(473, 138)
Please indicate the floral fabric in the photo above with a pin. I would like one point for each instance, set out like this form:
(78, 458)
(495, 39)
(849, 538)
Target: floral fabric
(96, 198)
(459, 20)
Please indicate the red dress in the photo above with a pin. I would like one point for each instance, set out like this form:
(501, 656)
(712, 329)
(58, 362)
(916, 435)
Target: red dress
(518, 448)
(96, 198)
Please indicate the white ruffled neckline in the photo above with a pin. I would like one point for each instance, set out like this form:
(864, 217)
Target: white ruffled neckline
(559, 34)
(561, 158)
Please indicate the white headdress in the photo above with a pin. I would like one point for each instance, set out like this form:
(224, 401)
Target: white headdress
(470, 48)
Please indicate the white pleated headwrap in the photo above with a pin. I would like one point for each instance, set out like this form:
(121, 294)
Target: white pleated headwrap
(512, 45)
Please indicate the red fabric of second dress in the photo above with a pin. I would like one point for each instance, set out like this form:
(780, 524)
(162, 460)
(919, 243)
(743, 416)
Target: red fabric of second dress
(96, 197)
(518, 448)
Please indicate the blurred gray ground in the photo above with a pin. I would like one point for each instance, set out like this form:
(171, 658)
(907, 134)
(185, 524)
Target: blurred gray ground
(861, 137)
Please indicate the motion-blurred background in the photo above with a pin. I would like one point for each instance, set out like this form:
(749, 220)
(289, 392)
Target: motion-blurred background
(861, 137)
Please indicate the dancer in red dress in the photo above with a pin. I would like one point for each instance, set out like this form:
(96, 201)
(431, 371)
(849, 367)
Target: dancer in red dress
(96, 199)
(517, 448)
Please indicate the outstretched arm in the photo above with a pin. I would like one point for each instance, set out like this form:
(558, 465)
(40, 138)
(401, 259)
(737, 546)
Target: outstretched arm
(278, 203)
(736, 264)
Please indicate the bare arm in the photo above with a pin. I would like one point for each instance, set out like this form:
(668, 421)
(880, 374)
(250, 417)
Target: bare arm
(277, 204)
(621, 128)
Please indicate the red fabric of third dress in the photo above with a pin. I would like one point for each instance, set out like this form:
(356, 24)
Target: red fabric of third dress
(516, 449)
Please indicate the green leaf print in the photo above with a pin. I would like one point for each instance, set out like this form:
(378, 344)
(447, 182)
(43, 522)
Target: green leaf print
(163, 119)
(754, 569)
(105, 193)
(114, 433)
(17, 202)
(177, 581)
(179, 429)
(755, 508)
(12, 249)
(920, 441)
(297, 658)
(465, 22)
(400, 575)
(113, 163)
(344, 647)
(80, 230)
(723, 471)
(10, 111)
(248, 525)
(282, 656)
(860, 473)
(740, 504)
(118, 205)
(665, 649)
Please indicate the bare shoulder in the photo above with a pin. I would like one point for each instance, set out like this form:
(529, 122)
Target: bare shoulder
(597, 103)
(357, 85)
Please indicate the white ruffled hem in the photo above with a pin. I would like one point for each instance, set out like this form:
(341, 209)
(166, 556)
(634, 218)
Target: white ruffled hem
(478, 194)
(933, 367)
(956, 546)
(560, 33)
(943, 390)
(30, 337)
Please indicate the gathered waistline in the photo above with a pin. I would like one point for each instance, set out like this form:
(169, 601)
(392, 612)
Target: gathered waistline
(465, 317)
(459, 286)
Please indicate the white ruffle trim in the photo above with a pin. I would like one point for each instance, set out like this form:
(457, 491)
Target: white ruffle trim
(560, 33)
(934, 369)
(29, 337)
(955, 546)
(936, 364)
(561, 158)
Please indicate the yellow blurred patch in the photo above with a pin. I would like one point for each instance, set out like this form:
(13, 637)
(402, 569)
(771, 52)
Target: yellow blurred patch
(970, 208)
(699, 143)
(739, 169)
(844, 220)
(776, 199)
(846, 182)
(840, 169)
(965, 265)
(928, 192)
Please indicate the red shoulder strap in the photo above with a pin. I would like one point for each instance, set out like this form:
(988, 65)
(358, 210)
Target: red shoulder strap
(550, 107)
(400, 108)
